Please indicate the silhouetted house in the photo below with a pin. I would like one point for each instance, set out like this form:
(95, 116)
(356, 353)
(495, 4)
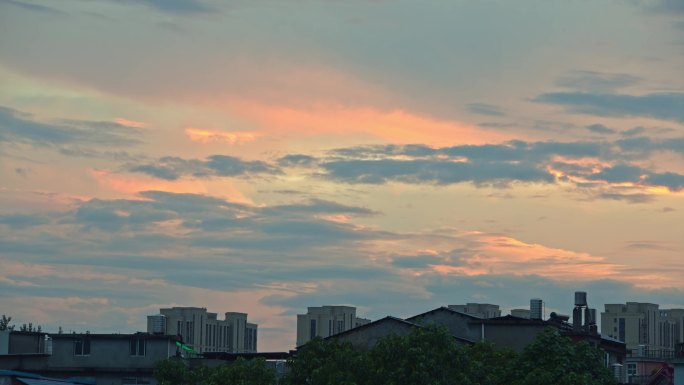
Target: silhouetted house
(458, 323)
(112, 359)
(366, 336)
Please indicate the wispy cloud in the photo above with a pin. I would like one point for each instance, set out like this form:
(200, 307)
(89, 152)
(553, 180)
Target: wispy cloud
(515, 161)
(486, 109)
(21, 127)
(173, 6)
(591, 81)
(665, 106)
(39, 8)
(172, 168)
(209, 136)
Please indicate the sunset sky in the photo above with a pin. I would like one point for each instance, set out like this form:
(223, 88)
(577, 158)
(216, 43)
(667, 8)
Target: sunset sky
(268, 155)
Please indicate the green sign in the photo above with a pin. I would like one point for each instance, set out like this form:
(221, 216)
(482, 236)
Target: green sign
(185, 347)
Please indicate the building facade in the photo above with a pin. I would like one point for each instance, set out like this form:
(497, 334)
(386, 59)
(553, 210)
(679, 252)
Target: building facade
(482, 310)
(650, 333)
(102, 359)
(204, 332)
(521, 313)
(644, 326)
(325, 321)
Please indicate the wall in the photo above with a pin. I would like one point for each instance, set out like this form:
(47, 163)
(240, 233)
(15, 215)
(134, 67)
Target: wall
(107, 353)
(26, 342)
(367, 336)
(514, 336)
(458, 324)
(4, 342)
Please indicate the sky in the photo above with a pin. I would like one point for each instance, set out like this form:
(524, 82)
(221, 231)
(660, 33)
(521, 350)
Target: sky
(264, 156)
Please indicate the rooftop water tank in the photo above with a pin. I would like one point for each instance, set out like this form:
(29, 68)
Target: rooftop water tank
(156, 324)
(580, 298)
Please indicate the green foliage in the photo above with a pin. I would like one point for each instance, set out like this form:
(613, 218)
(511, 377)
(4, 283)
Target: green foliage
(431, 356)
(554, 359)
(322, 362)
(488, 365)
(426, 356)
(174, 371)
(4, 323)
(242, 372)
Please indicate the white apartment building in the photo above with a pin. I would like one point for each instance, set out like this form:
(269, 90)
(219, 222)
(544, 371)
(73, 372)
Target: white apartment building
(324, 321)
(482, 310)
(204, 332)
(643, 325)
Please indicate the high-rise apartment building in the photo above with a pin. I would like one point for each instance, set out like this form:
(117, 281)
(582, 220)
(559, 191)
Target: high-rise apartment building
(204, 332)
(643, 325)
(482, 310)
(324, 321)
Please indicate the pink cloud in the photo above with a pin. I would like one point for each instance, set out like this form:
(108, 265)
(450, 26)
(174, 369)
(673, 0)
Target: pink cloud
(130, 123)
(209, 136)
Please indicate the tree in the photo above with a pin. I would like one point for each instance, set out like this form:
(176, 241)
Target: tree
(554, 359)
(175, 371)
(172, 371)
(426, 356)
(243, 372)
(4, 323)
(29, 328)
(485, 364)
(326, 362)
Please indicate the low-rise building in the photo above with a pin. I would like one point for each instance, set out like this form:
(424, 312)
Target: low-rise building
(111, 359)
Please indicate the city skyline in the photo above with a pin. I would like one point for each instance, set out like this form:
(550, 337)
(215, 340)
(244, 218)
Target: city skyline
(266, 157)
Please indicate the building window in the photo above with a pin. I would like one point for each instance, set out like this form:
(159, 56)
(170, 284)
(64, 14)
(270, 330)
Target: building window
(138, 347)
(312, 329)
(621, 330)
(82, 347)
(631, 370)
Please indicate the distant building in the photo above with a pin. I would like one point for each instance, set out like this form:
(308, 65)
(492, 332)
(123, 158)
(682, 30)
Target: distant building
(650, 333)
(482, 310)
(111, 359)
(325, 321)
(643, 325)
(204, 332)
(521, 313)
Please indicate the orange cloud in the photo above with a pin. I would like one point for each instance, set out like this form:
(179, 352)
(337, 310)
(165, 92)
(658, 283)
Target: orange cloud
(208, 136)
(395, 126)
(130, 123)
(486, 254)
(130, 186)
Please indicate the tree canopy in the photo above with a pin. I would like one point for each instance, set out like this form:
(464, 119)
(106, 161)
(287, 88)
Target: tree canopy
(427, 355)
